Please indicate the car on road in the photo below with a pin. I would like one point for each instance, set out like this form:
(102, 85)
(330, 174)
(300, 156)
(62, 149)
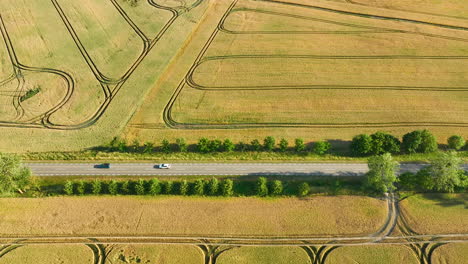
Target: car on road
(102, 166)
(163, 166)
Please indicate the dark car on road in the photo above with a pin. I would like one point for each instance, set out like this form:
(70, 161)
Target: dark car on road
(102, 166)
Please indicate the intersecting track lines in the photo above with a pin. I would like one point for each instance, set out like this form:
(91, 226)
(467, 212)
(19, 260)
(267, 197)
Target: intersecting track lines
(318, 254)
(201, 58)
(212, 252)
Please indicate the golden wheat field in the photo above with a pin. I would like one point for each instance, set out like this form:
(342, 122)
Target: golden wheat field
(75, 74)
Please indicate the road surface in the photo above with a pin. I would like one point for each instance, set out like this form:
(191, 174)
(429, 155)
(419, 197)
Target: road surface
(148, 169)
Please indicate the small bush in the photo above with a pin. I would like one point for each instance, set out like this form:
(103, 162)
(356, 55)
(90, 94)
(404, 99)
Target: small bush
(228, 145)
(255, 145)
(183, 187)
(139, 187)
(199, 187)
(303, 189)
(167, 187)
(276, 187)
(68, 187)
(213, 186)
(227, 188)
(154, 187)
(203, 145)
(269, 143)
(456, 142)
(283, 145)
(384, 143)
(321, 147)
(241, 146)
(361, 145)
(181, 145)
(261, 188)
(125, 187)
(165, 146)
(112, 187)
(148, 147)
(80, 187)
(96, 187)
(215, 145)
(299, 145)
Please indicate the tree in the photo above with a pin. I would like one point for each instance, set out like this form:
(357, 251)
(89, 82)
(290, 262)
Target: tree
(382, 173)
(167, 187)
(383, 142)
(321, 147)
(96, 187)
(215, 145)
(181, 145)
(140, 187)
(68, 187)
(299, 145)
(303, 189)
(154, 187)
(255, 145)
(408, 180)
(165, 146)
(112, 187)
(148, 147)
(213, 186)
(228, 145)
(13, 175)
(276, 187)
(203, 145)
(199, 187)
(456, 142)
(428, 142)
(361, 145)
(80, 187)
(283, 145)
(227, 188)
(411, 141)
(269, 143)
(445, 171)
(125, 187)
(261, 187)
(118, 144)
(183, 187)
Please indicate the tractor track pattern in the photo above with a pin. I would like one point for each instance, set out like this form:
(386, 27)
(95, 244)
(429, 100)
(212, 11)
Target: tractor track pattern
(110, 86)
(189, 83)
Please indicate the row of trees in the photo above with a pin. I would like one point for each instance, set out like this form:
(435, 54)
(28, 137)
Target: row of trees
(205, 145)
(199, 187)
(418, 141)
(443, 174)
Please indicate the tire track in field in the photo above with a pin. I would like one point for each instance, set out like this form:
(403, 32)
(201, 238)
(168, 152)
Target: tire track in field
(189, 80)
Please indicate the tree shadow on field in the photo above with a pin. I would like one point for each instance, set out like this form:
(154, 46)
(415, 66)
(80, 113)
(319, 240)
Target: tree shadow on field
(448, 199)
(340, 147)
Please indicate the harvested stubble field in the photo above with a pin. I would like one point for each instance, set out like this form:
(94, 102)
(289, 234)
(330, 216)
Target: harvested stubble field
(350, 215)
(242, 69)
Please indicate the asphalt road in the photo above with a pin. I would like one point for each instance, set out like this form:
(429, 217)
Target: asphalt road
(148, 169)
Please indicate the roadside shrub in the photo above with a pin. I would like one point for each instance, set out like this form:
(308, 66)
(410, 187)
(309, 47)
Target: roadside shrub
(321, 147)
(456, 142)
(411, 141)
(135, 145)
(112, 187)
(125, 187)
(228, 145)
(241, 146)
(303, 189)
(154, 187)
(68, 187)
(80, 187)
(227, 188)
(255, 145)
(199, 187)
(361, 145)
(139, 187)
(203, 145)
(408, 180)
(383, 143)
(261, 188)
(215, 145)
(269, 143)
(213, 186)
(96, 187)
(299, 145)
(183, 187)
(276, 187)
(283, 145)
(118, 144)
(167, 187)
(148, 147)
(165, 146)
(181, 145)
(428, 142)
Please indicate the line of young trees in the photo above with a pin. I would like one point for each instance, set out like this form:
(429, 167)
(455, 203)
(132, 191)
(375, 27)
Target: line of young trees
(443, 174)
(418, 141)
(200, 187)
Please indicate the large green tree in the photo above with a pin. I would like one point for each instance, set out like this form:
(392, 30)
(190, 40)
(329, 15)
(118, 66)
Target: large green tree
(382, 173)
(13, 175)
(445, 171)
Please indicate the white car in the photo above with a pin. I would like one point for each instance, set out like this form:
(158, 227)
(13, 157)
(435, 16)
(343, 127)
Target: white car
(163, 166)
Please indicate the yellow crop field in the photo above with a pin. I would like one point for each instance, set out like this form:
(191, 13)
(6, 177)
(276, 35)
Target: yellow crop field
(75, 74)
